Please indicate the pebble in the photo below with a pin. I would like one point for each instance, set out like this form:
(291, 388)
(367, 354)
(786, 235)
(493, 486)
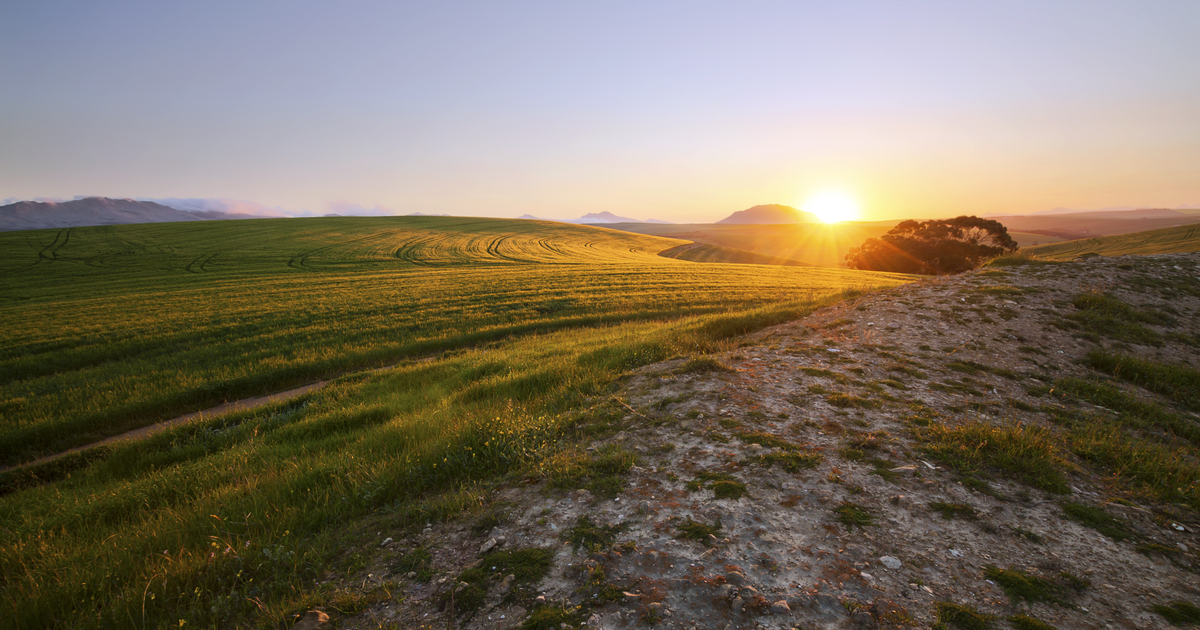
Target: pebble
(780, 608)
(890, 562)
(386, 542)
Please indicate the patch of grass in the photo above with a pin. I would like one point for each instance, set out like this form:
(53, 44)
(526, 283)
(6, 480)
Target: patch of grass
(723, 485)
(792, 462)
(950, 511)
(699, 532)
(591, 537)
(851, 515)
(416, 561)
(841, 379)
(1178, 613)
(1022, 406)
(1098, 520)
(1027, 453)
(1103, 314)
(961, 616)
(1168, 474)
(1027, 535)
(702, 365)
(553, 617)
(1025, 622)
(600, 473)
(1180, 383)
(1133, 411)
(728, 489)
(845, 401)
(955, 388)
(1021, 586)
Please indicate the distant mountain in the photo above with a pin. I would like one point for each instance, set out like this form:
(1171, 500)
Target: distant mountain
(531, 217)
(35, 215)
(772, 214)
(1104, 213)
(602, 217)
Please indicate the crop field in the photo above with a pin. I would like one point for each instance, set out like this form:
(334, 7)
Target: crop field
(1185, 238)
(815, 244)
(108, 329)
(505, 337)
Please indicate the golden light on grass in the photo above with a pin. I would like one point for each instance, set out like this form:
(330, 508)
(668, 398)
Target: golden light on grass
(832, 206)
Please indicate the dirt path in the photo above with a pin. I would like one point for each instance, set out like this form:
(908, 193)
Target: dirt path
(244, 404)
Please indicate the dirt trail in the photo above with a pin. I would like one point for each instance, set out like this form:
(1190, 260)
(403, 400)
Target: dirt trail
(244, 404)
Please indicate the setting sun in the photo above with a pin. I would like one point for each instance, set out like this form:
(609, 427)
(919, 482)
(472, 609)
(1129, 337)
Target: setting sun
(832, 206)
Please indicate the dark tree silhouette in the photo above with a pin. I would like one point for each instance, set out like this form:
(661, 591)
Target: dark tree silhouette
(934, 247)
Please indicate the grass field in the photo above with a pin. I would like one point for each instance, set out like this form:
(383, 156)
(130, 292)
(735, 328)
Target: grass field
(1184, 238)
(815, 244)
(507, 336)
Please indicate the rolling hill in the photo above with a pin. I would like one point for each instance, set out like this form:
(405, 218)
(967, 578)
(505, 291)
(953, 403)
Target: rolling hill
(1163, 241)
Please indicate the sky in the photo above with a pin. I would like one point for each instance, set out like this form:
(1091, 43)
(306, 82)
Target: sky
(677, 111)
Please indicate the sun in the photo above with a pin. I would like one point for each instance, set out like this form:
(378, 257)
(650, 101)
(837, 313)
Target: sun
(832, 206)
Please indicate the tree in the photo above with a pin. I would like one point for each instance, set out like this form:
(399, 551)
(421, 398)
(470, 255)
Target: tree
(936, 247)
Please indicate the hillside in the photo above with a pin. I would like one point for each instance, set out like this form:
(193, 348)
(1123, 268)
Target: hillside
(1093, 224)
(816, 244)
(771, 214)
(433, 358)
(954, 448)
(170, 318)
(34, 215)
(1166, 240)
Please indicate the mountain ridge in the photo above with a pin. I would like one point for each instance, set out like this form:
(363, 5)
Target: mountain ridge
(770, 214)
(91, 211)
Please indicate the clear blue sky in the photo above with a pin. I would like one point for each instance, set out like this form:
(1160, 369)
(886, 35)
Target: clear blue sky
(679, 111)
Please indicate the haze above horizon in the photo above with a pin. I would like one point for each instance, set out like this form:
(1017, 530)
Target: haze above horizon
(682, 112)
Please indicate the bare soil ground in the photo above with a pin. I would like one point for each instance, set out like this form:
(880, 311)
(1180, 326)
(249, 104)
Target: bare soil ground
(846, 389)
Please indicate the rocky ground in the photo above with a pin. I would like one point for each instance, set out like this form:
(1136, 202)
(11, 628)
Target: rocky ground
(788, 483)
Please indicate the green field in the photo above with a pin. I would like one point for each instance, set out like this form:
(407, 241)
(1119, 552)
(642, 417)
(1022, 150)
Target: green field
(507, 338)
(1185, 238)
(815, 244)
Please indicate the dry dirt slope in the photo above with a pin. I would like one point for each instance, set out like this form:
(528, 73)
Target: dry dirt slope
(810, 448)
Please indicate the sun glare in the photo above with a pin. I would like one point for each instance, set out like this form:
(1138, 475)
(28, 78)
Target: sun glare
(832, 206)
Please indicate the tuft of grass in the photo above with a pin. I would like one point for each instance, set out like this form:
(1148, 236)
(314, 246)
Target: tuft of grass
(416, 561)
(600, 473)
(728, 489)
(699, 532)
(1169, 474)
(1021, 586)
(792, 462)
(1029, 454)
(849, 400)
(1102, 314)
(702, 365)
(1098, 520)
(1180, 383)
(850, 515)
(1178, 612)
(950, 511)
(961, 616)
(553, 617)
(1025, 622)
(591, 537)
